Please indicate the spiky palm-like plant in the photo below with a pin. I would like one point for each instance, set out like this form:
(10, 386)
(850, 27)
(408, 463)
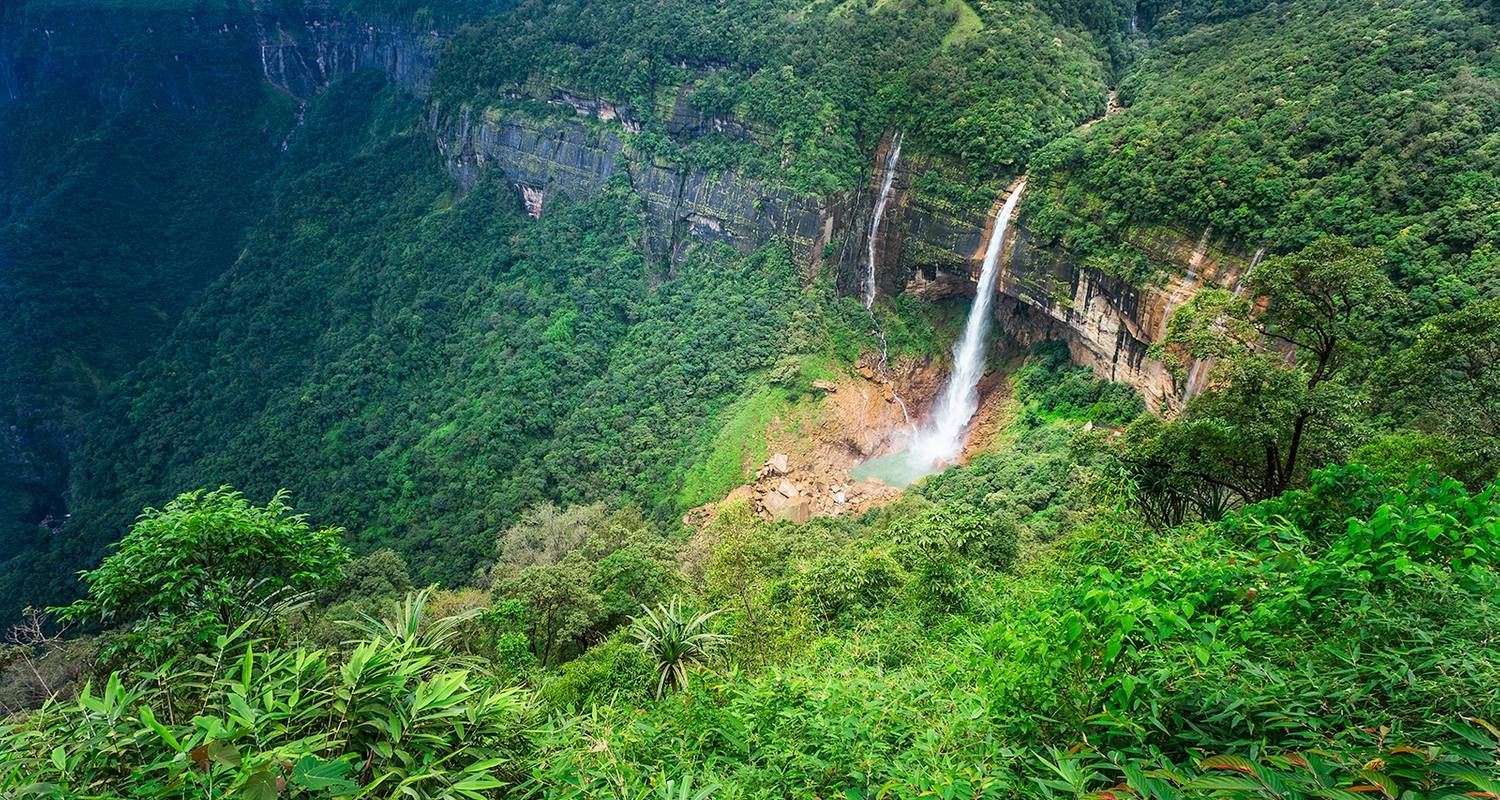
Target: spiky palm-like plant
(676, 641)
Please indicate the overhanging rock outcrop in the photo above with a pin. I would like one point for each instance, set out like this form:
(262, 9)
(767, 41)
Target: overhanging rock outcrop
(1110, 324)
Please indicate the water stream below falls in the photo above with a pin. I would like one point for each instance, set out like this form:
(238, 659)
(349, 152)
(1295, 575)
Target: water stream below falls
(939, 442)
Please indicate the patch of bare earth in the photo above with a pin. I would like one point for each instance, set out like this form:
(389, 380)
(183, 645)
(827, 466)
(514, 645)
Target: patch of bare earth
(808, 474)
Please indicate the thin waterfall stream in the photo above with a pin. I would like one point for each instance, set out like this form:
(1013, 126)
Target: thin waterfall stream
(877, 215)
(887, 180)
(941, 440)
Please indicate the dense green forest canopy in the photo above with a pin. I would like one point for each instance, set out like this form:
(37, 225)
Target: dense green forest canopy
(123, 191)
(818, 84)
(480, 583)
(1375, 121)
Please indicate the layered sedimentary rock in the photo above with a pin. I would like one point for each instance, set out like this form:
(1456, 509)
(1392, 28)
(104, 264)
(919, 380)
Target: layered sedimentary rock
(1110, 324)
(551, 158)
(924, 246)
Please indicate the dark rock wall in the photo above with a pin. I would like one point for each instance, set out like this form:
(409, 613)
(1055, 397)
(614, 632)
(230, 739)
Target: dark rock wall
(298, 50)
(303, 51)
(563, 157)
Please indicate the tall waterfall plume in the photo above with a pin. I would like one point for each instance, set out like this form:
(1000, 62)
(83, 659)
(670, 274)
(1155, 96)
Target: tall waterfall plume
(943, 438)
(892, 156)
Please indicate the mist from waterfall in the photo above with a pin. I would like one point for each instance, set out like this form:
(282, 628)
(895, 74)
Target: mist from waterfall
(892, 157)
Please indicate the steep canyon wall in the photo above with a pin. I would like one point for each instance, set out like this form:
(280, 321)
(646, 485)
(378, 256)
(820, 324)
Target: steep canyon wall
(926, 247)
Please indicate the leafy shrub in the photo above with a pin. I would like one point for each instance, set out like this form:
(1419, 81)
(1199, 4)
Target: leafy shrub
(379, 575)
(1461, 769)
(615, 672)
(397, 717)
(850, 582)
(942, 543)
(186, 571)
(678, 641)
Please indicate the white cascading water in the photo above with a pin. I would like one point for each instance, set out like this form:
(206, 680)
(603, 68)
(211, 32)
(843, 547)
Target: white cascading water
(887, 180)
(943, 438)
(892, 156)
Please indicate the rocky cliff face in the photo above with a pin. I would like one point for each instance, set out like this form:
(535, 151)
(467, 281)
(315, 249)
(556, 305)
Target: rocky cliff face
(924, 247)
(548, 159)
(1109, 324)
(304, 50)
(933, 250)
(299, 49)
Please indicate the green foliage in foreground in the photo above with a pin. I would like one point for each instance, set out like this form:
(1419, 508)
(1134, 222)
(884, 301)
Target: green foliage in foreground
(1126, 657)
(1009, 629)
(394, 717)
(202, 561)
(677, 640)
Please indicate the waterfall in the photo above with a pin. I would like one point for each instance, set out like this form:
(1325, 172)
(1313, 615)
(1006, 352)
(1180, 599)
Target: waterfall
(943, 439)
(1197, 371)
(892, 156)
(888, 178)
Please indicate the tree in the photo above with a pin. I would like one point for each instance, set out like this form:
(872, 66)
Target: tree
(561, 605)
(1448, 381)
(197, 564)
(1282, 392)
(377, 576)
(545, 534)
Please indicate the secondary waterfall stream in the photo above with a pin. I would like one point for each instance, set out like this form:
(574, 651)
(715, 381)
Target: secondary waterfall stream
(887, 180)
(892, 157)
(941, 439)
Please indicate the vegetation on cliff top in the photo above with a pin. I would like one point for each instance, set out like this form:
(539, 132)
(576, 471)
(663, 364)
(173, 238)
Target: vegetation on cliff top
(1375, 121)
(817, 85)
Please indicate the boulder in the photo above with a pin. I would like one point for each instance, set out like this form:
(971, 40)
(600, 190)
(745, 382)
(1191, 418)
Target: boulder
(777, 464)
(825, 386)
(787, 489)
(799, 509)
(773, 504)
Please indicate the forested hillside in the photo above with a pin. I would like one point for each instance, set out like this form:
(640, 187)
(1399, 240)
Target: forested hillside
(362, 440)
(133, 161)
